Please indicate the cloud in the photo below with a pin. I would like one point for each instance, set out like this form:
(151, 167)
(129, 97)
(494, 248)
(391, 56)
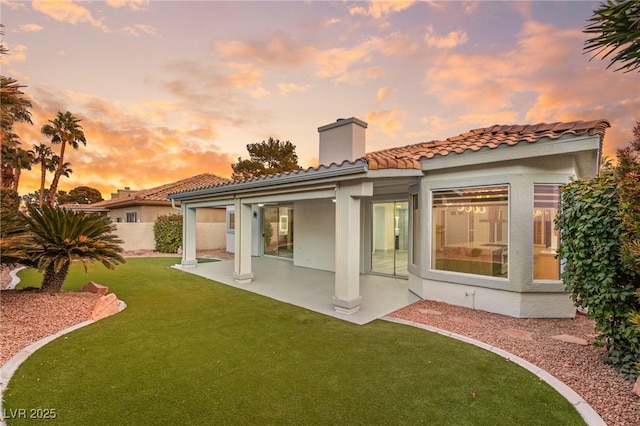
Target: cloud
(286, 88)
(27, 28)
(138, 29)
(16, 54)
(125, 147)
(13, 5)
(135, 5)
(545, 75)
(383, 93)
(331, 21)
(277, 50)
(388, 122)
(452, 39)
(67, 11)
(244, 75)
(380, 9)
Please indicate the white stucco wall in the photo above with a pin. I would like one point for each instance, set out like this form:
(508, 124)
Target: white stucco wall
(517, 295)
(314, 238)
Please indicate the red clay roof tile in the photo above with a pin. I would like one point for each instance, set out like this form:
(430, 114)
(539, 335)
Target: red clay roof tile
(489, 137)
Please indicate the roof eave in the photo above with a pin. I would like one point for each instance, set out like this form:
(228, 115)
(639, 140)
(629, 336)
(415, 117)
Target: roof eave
(332, 173)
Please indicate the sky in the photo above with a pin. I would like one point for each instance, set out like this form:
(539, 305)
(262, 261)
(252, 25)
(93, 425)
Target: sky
(171, 89)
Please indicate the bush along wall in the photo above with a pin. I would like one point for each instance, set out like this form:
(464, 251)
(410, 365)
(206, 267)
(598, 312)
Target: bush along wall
(591, 225)
(168, 233)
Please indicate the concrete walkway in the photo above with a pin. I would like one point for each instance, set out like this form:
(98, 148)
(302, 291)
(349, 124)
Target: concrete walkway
(312, 289)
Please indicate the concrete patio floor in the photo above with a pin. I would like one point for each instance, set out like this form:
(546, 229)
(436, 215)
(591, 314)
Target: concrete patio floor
(312, 289)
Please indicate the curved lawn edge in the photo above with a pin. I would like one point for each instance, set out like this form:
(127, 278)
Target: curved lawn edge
(8, 369)
(15, 279)
(590, 416)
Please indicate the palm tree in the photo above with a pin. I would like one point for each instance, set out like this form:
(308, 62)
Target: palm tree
(616, 25)
(56, 237)
(22, 160)
(45, 157)
(14, 107)
(63, 130)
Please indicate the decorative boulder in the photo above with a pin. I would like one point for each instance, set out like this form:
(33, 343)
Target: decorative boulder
(636, 387)
(106, 306)
(92, 287)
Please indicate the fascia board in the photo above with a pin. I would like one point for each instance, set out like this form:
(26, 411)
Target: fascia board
(332, 174)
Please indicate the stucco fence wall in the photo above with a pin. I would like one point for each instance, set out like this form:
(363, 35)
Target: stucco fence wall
(139, 236)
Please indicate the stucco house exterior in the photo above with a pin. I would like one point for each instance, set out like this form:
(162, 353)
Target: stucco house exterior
(467, 220)
(135, 212)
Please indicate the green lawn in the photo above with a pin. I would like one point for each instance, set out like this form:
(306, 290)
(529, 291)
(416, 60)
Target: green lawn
(191, 351)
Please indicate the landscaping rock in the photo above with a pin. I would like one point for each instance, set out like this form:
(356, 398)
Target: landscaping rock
(518, 334)
(92, 287)
(106, 306)
(636, 387)
(570, 339)
(430, 311)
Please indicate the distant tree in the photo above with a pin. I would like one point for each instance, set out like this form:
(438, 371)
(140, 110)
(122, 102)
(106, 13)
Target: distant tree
(14, 161)
(80, 195)
(616, 24)
(47, 160)
(63, 130)
(55, 237)
(266, 158)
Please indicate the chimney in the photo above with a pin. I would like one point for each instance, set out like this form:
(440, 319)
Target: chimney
(342, 140)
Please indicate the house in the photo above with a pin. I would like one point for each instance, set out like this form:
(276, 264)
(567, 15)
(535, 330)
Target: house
(135, 212)
(467, 220)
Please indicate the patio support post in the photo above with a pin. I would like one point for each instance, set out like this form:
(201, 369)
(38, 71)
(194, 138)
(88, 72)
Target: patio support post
(347, 277)
(242, 259)
(189, 237)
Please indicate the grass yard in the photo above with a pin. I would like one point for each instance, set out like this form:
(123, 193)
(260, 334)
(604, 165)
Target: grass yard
(191, 351)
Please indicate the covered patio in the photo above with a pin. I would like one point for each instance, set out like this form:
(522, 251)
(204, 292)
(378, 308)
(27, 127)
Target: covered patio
(311, 288)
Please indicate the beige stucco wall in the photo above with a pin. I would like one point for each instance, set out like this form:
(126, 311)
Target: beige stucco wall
(139, 236)
(151, 213)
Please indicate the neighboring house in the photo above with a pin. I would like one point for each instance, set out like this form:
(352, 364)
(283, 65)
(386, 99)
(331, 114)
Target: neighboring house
(135, 212)
(467, 220)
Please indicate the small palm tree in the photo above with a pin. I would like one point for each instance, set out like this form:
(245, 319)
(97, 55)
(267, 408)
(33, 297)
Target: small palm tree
(63, 130)
(56, 237)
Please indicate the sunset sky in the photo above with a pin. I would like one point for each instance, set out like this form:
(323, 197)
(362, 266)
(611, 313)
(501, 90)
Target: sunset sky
(170, 89)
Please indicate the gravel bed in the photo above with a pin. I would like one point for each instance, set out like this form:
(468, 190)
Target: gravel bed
(577, 366)
(27, 316)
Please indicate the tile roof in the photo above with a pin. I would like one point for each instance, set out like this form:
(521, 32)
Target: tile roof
(409, 157)
(160, 193)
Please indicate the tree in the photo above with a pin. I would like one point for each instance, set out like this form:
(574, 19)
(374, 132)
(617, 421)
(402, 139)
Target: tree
(55, 237)
(47, 160)
(266, 158)
(80, 195)
(63, 130)
(617, 28)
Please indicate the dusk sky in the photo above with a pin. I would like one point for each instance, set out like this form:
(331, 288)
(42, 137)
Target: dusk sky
(170, 89)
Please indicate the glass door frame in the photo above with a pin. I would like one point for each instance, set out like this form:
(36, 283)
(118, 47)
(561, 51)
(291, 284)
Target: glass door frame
(393, 240)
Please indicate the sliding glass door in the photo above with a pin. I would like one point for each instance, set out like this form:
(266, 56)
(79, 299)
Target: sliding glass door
(278, 231)
(390, 238)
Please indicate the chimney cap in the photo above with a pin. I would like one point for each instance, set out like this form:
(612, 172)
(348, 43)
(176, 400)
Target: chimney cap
(343, 122)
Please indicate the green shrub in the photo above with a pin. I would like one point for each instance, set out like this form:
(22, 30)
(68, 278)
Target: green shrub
(590, 222)
(168, 233)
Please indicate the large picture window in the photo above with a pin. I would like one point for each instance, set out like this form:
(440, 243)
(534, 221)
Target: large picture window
(470, 230)
(545, 237)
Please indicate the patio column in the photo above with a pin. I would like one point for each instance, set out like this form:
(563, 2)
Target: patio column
(347, 278)
(189, 237)
(242, 258)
